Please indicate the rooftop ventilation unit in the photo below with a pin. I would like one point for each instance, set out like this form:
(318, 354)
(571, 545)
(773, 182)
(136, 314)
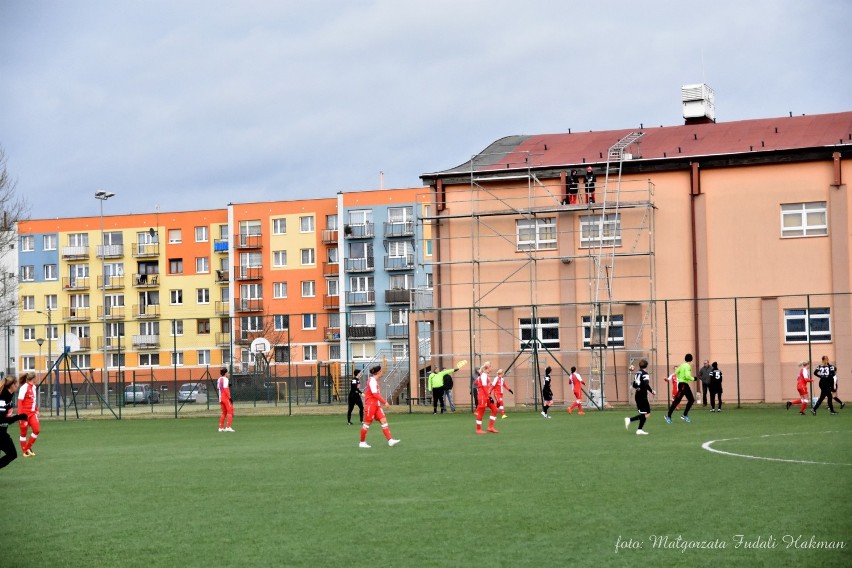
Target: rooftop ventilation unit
(699, 103)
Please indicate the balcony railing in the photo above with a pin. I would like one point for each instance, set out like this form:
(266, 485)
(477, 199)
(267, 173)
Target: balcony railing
(221, 246)
(222, 338)
(75, 283)
(397, 296)
(146, 311)
(76, 314)
(329, 236)
(356, 332)
(404, 229)
(222, 276)
(360, 231)
(110, 251)
(75, 252)
(112, 343)
(146, 250)
(85, 343)
(399, 262)
(330, 268)
(149, 341)
(330, 302)
(361, 298)
(248, 304)
(222, 308)
(365, 264)
(250, 273)
(397, 330)
(332, 333)
(146, 280)
(112, 312)
(112, 282)
(248, 241)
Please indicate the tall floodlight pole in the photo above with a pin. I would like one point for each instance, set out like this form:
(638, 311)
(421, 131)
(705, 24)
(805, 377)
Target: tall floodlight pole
(103, 196)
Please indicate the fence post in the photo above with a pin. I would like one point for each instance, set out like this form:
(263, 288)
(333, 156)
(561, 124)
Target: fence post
(668, 363)
(737, 348)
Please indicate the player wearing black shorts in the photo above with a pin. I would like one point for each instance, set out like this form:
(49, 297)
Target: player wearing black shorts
(642, 385)
(355, 397)
(826, 372)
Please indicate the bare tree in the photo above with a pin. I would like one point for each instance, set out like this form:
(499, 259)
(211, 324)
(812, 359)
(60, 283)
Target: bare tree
(13, 208)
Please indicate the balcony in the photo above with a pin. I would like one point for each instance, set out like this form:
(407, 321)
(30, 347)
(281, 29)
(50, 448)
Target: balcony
(146, 280)
(223, 339)
(250, 273)
(361, 298)
(330, 302)
(112, 282)
(221, 246)
(76, 283)
(146, 250)
(75, 252)
(76, 314)
(396, 330)
(222, 308)
(146, 311)
(356, 332)
(398, 296)
(248, 304)
(329, 236)
(366, 264)
(399, 262)
(85, 343)
(248, 241)
(332, 333)
(330, 268)
(112, 312)
(223, 276)
(110, 251)
(149, 341)
(404, 229)
(361, 231)
(111, 344)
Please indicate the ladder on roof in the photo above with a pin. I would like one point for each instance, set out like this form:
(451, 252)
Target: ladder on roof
(602, 267)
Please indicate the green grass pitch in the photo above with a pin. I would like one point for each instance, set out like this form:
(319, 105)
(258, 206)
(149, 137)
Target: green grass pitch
(297, 491)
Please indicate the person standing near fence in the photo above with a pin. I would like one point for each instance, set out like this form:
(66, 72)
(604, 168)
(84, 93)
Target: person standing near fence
(576, 382)
(704, 377)
(223, 386)
(436, 385)
(375, 400)
(499, 385)
(802, 388)
(546, 394)
(448, 391)
(484, 390)
(715, 387)
(642, 385)
(28, 405)
(590, 185)
(684, 377)
(8, 386)
(355, 397)
(826, 373)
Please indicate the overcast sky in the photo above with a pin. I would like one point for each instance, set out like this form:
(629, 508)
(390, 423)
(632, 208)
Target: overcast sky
(191, 104)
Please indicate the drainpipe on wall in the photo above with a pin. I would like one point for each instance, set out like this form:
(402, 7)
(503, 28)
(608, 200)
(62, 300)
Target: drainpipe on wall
(695, 191)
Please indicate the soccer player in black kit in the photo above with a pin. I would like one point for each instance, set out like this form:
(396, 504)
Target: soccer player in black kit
(355, 397)
(642, 385)
(826, 372)
(8, 386)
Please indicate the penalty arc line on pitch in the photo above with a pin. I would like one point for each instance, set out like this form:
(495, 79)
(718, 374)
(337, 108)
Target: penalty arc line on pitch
(708, 446)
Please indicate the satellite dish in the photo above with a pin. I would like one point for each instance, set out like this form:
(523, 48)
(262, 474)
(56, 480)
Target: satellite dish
(260, 345)
(70, 343)
(152, 232)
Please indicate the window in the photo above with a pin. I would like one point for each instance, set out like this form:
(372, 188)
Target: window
(310, 352)
(51, 302)
(309, 289)
(536, 234)
(27, 243)
(804, 219)
(597, 230)
(176, 297)
(306, 224)
(50, 272)
(309, 321)
(279, 226)
(203, 327)
(400, 214)
(177, 359)
(279, 258)
(175, 266)
(149, 359)
(175, 236)
(545, 330)
(52, 332)
(225, 324)
(27, 273)
(361, 283)
(202, 295)
(202, 234)
(615, 333)
(334, 320)
(74, 240)
(81, 361)
(203, 356)
(333, 256)
(116, 360)
(401, 282)
(309, 257)
(401, 249)
(202, 265)
(802, 324)
(399, 350)
(79, 300)
(177, 327)
(50, 242)
(279, 290)
(28, 363)
(28, 302)
(282, 354)
(334, 351)
(331, 222)
(281, 323)
(29, 334)
(332, 287)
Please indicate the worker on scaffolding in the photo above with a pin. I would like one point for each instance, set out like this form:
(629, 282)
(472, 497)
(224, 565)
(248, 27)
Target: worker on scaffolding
(590, 185)
(572, 187)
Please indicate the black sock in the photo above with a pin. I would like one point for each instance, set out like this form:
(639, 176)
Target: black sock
(546, 408)
(641, 421)
(635, 418)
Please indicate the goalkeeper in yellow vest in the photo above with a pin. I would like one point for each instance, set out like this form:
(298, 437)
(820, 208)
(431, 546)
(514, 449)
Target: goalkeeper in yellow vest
(436, 385)
(684, 377)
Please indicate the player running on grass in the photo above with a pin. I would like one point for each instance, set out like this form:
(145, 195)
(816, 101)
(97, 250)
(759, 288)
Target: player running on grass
(642, 385)
(672, 380)
(576, 382)
(499, 385)
(484, 390)
(374, 399)
(802, 388)
(28, 405)
(546, 394)
(684, 377)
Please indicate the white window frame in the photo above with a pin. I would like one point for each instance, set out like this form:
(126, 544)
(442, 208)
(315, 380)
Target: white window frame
(202, 234)
(175, 236)
(309, 288)
(176, 328)
(28, 303)
(804, 219)
(27, 273)
(806, 318)
(202, 265)
(149, 359)
(28, 363)
(309, 321)
(279, 226)
(281, 322)
(279, 258)
(279, 290)
(307, 224)
(29, 334)
(309, 256)
(591, 227)
(309, 353)
(74, 240)
(203, 356)
(176, 297)
(177, 358)
(27, 243)
(615, 331)
(51, 272)
(543, 332)
(536, 234)
(51, 302)
(51, 242)
(202, 295)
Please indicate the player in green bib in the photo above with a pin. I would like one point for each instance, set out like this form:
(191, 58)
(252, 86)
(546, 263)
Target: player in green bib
(684, 377)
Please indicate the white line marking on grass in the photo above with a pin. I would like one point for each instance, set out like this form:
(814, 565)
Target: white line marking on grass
(708, 446)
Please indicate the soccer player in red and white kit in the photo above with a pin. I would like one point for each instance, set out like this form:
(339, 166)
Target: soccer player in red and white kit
(484, 389)
(223, 386)
(374, 401)
(28, 404)
(499, 385)
(575, 380)
(802, 386)
(672, 380)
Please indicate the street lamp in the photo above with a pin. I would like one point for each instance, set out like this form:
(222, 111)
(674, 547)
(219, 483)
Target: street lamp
(40, 342)
(103, 196)
(49, 313)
